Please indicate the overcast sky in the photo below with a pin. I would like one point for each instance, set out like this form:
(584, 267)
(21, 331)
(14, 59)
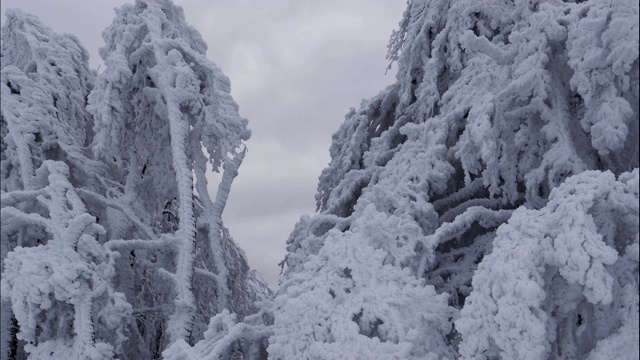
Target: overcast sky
(296, 67)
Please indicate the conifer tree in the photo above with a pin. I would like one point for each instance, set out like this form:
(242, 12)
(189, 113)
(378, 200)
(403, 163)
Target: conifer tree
(496, 104)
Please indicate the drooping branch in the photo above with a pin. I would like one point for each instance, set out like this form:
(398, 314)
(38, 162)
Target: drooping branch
(20, 219)
(9, 199)
(487, 218)
(451, 214)
(459, 196)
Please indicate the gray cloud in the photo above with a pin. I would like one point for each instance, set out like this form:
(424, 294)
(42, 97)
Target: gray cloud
(296, 67)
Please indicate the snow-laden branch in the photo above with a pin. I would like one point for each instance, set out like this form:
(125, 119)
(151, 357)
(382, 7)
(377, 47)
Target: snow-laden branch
(133, 244)
(14, 218)
(459, 196)
(230, 172)
(481, 44)
(11, 198)
(487, 218)
(451, 214)
(224, 330)
(125, 210)
(557, 276)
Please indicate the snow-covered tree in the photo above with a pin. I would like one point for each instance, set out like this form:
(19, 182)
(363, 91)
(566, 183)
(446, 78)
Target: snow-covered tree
(163, 117)
(56, 276)
(496, 104)
(111, 244)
